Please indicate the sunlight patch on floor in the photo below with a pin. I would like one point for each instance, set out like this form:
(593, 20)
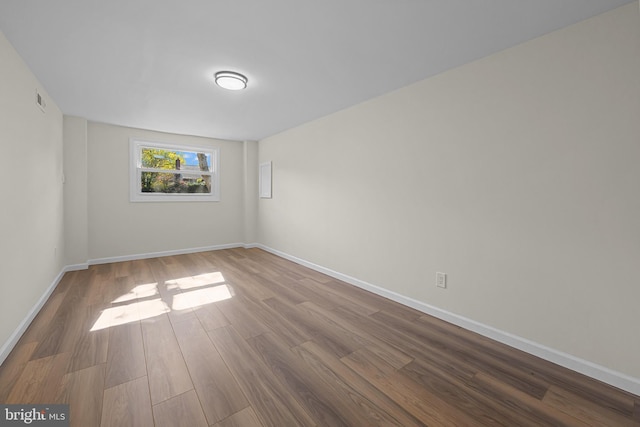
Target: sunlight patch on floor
(133, 312)
(195, 281)
(201, 297)
(145, 309)
(140, 291)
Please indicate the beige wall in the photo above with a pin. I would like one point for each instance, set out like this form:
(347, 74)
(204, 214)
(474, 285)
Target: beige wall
(250, 151)
(76, 221)
(118, 227)
(31, 216)
(517, 175)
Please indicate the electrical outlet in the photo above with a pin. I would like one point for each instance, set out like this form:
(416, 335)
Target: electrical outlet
(441, 280)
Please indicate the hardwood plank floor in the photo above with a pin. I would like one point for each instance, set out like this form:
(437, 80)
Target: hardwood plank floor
(125, 360)
(166, 367)
(241, 337)
(125, 405)
(85, 388)
(273, 404)
(183, 410)
(218, 391)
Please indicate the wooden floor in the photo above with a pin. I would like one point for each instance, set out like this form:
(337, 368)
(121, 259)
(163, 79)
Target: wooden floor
(244, 338)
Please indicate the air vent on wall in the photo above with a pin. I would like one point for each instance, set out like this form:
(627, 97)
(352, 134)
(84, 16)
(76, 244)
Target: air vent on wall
(40, 101)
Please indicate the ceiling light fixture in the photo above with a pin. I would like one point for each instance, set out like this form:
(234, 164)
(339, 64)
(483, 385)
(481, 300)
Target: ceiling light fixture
(231, 80)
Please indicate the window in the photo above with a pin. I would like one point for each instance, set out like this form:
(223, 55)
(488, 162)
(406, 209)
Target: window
(168, 173)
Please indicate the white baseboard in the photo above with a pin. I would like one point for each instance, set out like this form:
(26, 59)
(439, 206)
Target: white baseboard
(164, 253)
(22, 327)
(76, 267)
(601, 373)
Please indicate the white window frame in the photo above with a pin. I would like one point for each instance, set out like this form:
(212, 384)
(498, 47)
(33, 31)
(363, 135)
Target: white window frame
(136, 169)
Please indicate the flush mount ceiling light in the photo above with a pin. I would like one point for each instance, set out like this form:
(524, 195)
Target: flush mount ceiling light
(231, 80)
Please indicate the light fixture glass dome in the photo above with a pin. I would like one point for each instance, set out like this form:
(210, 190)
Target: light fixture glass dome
(231, 80)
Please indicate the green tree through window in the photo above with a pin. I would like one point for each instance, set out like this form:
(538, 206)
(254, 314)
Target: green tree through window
(181, 178)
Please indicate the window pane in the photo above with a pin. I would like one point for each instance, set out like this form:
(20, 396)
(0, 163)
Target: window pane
(157, 182)
(196, 161)
(175, 160)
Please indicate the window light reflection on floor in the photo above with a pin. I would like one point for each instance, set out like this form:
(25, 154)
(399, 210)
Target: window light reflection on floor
(140, 291)
(200, 297)
(140, 310)
(133, 312)
(195, 281)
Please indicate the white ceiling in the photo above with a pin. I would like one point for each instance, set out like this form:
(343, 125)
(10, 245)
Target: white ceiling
(150, 63)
